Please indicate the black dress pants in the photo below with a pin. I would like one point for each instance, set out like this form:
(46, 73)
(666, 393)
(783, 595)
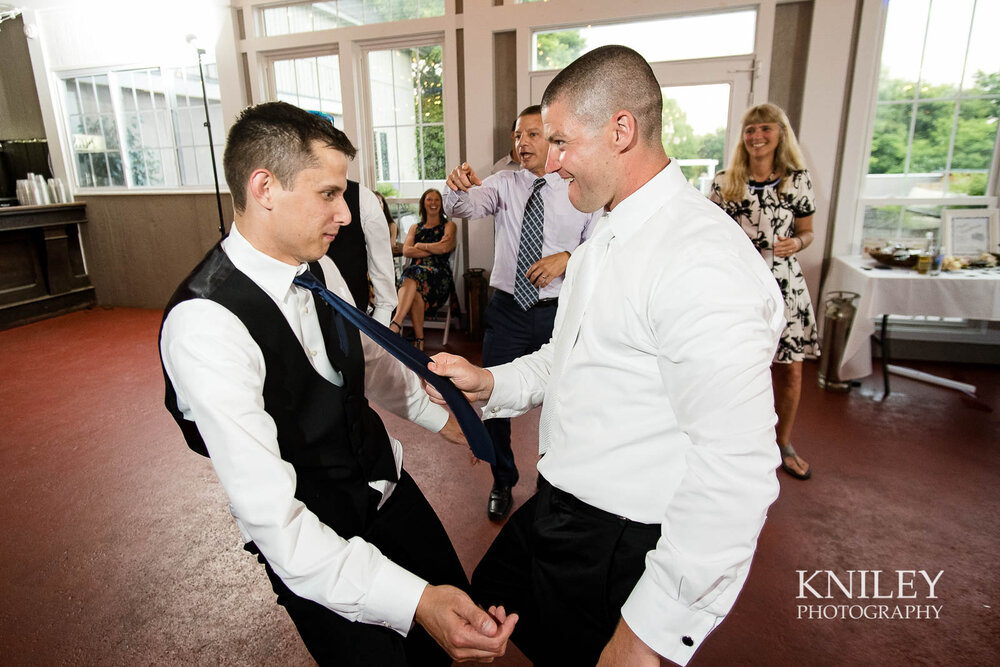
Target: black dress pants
(410, 534)
(511, 333)
(566, 568)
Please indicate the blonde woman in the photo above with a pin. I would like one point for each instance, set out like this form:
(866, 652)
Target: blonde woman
(766, 189)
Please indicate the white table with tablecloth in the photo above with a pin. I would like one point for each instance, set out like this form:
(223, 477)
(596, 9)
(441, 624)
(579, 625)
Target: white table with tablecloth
(970, 294)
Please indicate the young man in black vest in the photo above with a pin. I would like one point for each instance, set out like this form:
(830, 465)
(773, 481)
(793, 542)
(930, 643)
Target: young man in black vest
(271, 384)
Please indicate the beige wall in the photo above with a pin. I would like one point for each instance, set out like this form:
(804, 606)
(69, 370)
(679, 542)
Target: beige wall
(504, 89)
(139, 247)
(20, 114)
(789, 57)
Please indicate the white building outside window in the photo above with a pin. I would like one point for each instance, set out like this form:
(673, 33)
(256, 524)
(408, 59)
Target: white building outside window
(142, 128)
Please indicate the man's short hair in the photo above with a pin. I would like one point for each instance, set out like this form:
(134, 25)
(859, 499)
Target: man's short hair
(530, 111)
(606, 80)
(276, 136)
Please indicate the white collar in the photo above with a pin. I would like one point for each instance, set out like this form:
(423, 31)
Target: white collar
(551, 178)
(273, 276)
(633, 211)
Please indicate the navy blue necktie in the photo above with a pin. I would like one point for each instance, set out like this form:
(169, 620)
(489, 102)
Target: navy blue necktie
(472, 426)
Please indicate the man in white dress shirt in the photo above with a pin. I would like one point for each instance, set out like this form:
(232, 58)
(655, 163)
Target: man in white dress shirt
(270, 383)
(513, 328)
(657, 423)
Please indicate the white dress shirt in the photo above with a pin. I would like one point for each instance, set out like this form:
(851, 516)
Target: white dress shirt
(218, 372)
(381, 269)
(659, 408)
(504, 195)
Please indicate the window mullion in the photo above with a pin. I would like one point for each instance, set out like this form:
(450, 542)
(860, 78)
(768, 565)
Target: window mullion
(419, 125)
(916, 94)
(119, 126)
(958, 104)
(169, 78)
(83, 124)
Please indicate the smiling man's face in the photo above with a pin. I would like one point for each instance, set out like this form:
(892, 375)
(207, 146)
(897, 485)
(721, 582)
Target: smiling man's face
(582, 154)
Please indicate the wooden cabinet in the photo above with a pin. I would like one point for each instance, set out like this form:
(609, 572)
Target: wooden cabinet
(42, 267)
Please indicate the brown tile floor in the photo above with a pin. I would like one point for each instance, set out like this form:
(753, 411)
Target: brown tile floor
(118, 548)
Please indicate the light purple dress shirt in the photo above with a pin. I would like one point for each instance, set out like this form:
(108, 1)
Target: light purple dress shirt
(504, 195)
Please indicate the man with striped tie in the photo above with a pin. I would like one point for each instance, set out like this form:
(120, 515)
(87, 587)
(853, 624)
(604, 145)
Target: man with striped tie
(536, 231)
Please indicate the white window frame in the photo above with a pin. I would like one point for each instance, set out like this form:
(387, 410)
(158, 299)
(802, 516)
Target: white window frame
(116, 112)
(259, 8)
(736, 71)
(114, 86)
(349, 43)
(366, 124)
(848, 229)
(268, 83)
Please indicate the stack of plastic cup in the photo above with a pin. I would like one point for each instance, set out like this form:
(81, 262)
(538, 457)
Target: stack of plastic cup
(57, 191)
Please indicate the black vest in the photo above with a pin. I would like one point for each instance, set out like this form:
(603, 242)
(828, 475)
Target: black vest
(330, 435)
(349, 251)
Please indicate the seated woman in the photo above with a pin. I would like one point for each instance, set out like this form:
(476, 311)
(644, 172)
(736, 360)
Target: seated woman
(426, 282)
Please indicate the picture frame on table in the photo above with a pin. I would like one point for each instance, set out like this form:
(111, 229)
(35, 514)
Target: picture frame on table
(969, 232)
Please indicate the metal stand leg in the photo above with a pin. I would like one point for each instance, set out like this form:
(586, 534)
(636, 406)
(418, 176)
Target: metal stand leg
(884, 343)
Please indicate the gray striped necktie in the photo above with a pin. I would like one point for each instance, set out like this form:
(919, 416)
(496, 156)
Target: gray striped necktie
(530, 249)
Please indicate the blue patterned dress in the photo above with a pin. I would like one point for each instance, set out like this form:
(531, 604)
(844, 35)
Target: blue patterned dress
(765, 213)
(432, 274)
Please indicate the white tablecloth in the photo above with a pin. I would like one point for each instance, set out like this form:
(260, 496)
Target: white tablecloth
(970, 294)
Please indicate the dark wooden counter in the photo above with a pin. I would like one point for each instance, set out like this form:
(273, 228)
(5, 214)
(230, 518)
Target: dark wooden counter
(42, 269)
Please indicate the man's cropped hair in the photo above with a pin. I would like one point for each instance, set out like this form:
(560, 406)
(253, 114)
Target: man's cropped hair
(606, 80)
(530, 111)
(276, 136)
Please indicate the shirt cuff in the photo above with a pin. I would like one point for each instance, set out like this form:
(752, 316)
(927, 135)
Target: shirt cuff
(382, 315)
(505, 393)
(433, 419)
(672, 629)
(392, 599)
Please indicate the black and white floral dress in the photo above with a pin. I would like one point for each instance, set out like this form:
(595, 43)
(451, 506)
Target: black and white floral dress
(766, 212)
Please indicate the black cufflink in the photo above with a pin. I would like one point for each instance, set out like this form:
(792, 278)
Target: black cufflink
(687, 641)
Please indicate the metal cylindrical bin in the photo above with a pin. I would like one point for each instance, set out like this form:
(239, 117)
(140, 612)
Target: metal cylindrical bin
(837, 319)
(475, 300)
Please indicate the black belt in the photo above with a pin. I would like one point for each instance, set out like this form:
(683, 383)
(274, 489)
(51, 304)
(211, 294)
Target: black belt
(574, 504)
(551, 302)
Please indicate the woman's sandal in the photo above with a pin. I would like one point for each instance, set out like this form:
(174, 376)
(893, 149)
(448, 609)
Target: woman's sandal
(787, 451)
(418, 343)
(399, 327)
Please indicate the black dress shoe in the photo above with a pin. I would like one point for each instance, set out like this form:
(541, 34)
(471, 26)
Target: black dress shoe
(501, 500)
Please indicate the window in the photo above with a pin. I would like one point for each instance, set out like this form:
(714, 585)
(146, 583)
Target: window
(934, 132)
(694, 129)
(142, 127)
(704, 64)
(146, 121)
(407, 119)
(674, 38)
(191, 135)
(294, 17)
(311, 83)
(93, 131)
